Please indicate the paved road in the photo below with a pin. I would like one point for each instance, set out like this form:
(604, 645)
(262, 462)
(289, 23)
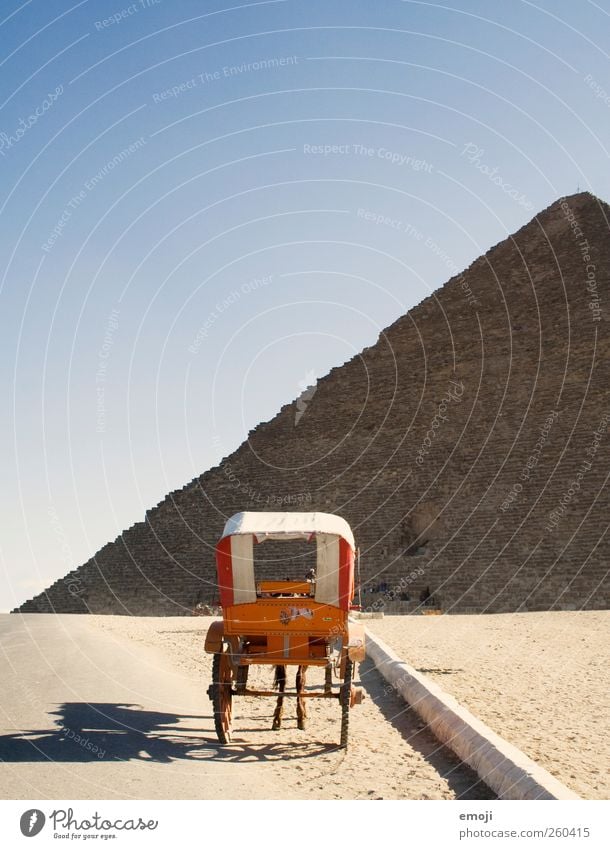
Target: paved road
(104, 707)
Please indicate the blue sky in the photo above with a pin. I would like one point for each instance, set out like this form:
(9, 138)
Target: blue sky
(206, 207)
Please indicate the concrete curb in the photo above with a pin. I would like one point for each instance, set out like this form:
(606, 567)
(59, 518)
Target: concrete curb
(503, 767)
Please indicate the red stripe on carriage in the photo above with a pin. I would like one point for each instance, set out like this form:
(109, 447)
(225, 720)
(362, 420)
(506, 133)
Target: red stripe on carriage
(224, 570)
(346, 574)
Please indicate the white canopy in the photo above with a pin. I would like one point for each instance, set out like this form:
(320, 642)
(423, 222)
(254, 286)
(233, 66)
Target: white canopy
(288, 526)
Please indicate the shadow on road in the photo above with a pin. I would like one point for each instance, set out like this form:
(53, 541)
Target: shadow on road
(105, 731)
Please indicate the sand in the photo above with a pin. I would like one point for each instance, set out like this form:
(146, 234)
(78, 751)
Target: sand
(391, 755)
(540, 680)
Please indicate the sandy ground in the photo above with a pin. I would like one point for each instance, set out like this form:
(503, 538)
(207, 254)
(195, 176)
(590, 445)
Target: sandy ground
(540, 680)
(390, 755)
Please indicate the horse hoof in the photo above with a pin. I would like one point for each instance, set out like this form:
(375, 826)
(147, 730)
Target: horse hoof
(276, 726)
(301, 726)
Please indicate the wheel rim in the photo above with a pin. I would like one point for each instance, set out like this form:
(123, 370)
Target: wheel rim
(222, 679)
(345, 700)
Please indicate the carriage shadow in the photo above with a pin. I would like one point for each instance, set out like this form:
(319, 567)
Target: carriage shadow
(101, 731)
(463, 780)
(239, 750)
(108, 731)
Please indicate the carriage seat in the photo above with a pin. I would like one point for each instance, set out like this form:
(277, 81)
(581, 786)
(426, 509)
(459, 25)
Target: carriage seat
(289, 589)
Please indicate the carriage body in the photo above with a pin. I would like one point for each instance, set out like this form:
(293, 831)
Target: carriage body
(303, 622)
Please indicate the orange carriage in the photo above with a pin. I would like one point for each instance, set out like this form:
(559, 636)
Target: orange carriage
(291, 622)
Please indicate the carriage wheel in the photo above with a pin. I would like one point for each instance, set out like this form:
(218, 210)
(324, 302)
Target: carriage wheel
(345, 699)
(222, 695)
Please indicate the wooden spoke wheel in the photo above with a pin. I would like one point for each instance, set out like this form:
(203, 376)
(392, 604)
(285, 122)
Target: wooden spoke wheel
(222, 695)
(345, 701)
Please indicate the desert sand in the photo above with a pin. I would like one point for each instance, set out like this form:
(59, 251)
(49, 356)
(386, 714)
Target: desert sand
(540, 680)
(391, 754)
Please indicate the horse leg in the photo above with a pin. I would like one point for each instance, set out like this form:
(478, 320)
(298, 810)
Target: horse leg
(328, 679)
(279, 683)
(301, 710)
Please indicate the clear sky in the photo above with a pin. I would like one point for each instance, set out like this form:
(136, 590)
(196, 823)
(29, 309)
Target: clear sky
(206, 206)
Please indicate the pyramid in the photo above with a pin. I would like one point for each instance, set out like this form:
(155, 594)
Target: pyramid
(468, 449)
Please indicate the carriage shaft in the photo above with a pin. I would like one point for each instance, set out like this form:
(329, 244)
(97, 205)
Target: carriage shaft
(293, 695)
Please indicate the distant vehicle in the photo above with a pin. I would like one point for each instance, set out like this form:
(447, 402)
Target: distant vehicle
(287, 622)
